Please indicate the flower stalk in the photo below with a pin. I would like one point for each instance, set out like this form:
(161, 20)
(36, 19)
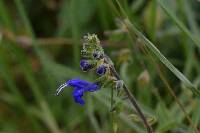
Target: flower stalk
(134, 103)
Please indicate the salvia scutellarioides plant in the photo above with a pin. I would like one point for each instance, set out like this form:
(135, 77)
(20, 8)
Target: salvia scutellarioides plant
(94, 59)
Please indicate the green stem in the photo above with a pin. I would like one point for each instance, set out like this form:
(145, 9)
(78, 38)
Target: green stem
(134, 103)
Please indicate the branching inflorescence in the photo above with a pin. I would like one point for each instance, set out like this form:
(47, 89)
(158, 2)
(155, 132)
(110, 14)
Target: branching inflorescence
(94, 59)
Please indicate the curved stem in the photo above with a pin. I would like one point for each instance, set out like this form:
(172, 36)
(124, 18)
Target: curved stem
(129, 94)
(137, 108)
(134, 103)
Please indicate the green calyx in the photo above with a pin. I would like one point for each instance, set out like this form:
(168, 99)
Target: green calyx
(92, 48)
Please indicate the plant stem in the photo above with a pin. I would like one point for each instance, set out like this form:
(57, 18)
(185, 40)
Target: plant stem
(134, 103)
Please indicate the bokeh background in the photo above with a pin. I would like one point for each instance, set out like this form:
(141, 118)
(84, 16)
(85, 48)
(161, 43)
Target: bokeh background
(40, 42)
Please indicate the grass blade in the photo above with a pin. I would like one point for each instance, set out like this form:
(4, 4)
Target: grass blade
(50, 121)
(181, 26)
(134, 31)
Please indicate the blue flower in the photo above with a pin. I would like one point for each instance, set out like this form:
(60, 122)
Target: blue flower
(84, 64)
(80, 87)
(101, 70)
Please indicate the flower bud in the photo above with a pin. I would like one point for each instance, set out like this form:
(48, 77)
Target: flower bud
(85, 65)
(97, 55)
(101, 70)
(144, 78)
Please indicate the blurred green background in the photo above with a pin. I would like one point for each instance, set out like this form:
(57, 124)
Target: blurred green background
(40, 42)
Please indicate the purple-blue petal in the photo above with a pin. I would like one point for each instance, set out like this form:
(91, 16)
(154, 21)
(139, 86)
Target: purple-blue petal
(78, 83)
(80, 87)
(92, 87)
(78, 92)
(79, 100)
(77, 95)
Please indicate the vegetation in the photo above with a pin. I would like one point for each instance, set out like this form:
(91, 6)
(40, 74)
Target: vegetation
(154, 45)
